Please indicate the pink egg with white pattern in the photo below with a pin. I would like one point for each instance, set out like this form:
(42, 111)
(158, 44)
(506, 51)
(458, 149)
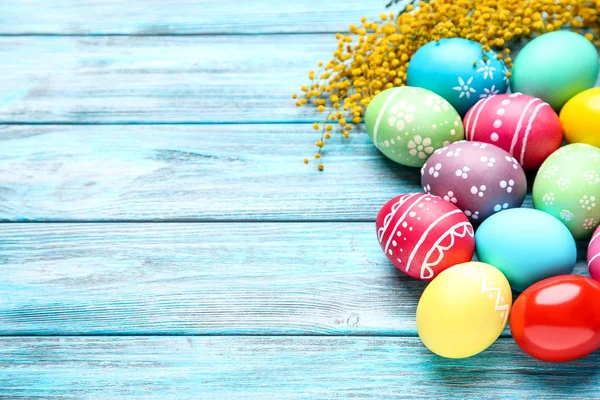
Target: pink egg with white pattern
(523, 125)
(422, 235)
(479, 178)
(593, 255)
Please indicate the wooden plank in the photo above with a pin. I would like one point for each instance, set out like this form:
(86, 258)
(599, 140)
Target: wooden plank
(191, 172)
(211, 278)
(277, 368)
(151, 17)
(197, 79)
(202, 79)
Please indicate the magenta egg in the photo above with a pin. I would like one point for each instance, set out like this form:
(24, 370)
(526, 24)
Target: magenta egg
(593, 255)
(479, 178)
(525, 126)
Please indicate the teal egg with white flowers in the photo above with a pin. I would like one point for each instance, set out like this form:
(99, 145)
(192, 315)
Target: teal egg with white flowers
(459, 71)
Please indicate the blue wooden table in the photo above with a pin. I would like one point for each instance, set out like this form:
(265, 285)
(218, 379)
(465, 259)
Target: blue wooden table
(162, 238)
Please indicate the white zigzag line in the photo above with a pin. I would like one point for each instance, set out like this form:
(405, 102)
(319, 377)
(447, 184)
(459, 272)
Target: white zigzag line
(468, 272)
(453, 232)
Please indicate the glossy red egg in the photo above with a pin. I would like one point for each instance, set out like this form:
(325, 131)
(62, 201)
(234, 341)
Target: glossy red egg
(422, 235)
(558, 319)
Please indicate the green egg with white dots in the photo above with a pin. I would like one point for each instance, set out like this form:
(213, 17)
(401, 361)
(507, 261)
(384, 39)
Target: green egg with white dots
(567, 186)
(407, 124)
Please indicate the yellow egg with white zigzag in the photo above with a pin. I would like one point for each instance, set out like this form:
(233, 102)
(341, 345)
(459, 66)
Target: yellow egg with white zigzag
(464, 310)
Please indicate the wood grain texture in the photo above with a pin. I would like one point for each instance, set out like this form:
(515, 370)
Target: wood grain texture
(203, 79)
(278, 368)
(194, 173)
(159, 17)
(212, 278)
(237, 172)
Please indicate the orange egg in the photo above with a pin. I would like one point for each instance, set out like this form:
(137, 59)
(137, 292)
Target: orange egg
(580, 118)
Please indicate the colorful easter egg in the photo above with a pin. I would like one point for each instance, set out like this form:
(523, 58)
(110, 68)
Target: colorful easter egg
(464, 310)
(593, 255)
(558, 319)
(423, 235)
(567, 186)
(457, 70)
(407, 124)
(527, 245)
(580, 118)
(525, 126)
(480, 178)
(555, 67)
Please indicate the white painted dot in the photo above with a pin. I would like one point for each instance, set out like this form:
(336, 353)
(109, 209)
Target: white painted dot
(453, 132)
(398, 233)
(421, 205)
(434, 126)
(494, 136)
(503, 184)
(412, 214)
(497, 207)
(512, 96)
(390, 252)
(404, 224)
(505, 102)
(455, 123)
(410, 229)
(392, 141)
(394, 243)
(398, 137)
(474, 190)
(501, 111)
(497, 124)
(483, 187)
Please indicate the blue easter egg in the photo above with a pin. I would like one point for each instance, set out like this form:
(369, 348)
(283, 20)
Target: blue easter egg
(456, 70)
(527, 245)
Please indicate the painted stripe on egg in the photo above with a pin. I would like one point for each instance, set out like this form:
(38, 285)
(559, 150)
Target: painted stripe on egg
(529, 125)
(477, 116)
(519, 125)
(394, 210)
(424, 236)
(400, 220)
(382, 111)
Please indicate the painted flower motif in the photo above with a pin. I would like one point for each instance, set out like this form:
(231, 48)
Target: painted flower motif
(566, 215)
(589, 223)
(478, 191)
(500, 207)
(463, 172)
(563, 183)
(505, 77)
(588, 202)
(515, 163)
(464, 88)
(550, 171)
(507, 185)
(401, 114)
(489, 92)
(591, 177)
(548, 199)
(454, 153)
(435, 170)
(420, 147)
(486, 68)
(450, 197)
(489, 161)
(480, 145)
(436, 103)
(472, 214)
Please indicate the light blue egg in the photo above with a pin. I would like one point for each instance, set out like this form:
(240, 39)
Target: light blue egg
(447, 68)
(527, 245)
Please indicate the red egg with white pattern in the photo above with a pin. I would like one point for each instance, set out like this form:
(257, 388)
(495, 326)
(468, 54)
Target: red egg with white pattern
(422, 235)
(523, 125)
(593, 255)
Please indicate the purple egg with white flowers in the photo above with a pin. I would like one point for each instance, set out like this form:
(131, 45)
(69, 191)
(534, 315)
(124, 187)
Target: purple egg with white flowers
(479, 178)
